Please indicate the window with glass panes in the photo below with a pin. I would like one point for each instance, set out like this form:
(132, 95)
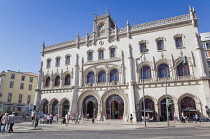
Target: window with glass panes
(160, 44)
(179, 42)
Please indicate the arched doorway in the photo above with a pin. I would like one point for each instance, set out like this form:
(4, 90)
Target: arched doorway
(55, 107)
(114, 107)
(65, 107)
(45, 107)
(90, 107)
(188, 107)
(149, 108)
(163, 116)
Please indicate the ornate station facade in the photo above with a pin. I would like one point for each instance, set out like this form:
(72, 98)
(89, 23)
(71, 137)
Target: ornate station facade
(106, 72)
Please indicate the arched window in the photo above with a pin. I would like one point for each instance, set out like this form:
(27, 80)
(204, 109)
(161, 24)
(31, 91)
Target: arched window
(57, 81)
(67, 79)
(183, 70)
(102, 76)
(47, 83)
(146, 72)
(90, 77)
(112, 52)
(101, 54)
(114, 75)
(163, 71)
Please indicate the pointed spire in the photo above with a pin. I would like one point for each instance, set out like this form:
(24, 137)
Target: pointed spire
(128, 23)
(95, 16)
(190, 8)
(43, 44)
(78, 35)
(108, 13)
(87, 33)
(193, 9)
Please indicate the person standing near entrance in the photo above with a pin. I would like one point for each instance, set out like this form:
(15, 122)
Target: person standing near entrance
(11, 122)
(131, 118)
(196, 118)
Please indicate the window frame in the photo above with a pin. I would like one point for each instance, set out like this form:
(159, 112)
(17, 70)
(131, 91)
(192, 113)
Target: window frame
(22, 86)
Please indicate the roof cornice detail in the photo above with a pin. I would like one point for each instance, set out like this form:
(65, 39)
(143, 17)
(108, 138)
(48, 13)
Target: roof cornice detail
(120, 31)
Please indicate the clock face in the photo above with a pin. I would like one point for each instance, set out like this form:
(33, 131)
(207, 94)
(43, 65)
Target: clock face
(101, 27)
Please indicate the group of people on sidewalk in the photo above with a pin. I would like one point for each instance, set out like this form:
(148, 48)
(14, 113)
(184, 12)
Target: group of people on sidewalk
(7, 120)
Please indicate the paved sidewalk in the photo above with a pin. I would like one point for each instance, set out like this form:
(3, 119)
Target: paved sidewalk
(104, 125)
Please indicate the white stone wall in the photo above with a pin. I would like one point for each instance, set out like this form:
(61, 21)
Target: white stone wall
(132, 92)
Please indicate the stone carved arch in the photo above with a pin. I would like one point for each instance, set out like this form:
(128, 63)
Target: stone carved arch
(90, 93)
(64, 74)
(61, 105)
(163, 61)
(122, 95)
(174, 102)
(43, 100)
(195, 98)
(145, 63)
(42, 103)
(145, 97)
(52, 100)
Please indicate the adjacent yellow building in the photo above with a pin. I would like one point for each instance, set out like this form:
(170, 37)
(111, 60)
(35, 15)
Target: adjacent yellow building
(17, 90)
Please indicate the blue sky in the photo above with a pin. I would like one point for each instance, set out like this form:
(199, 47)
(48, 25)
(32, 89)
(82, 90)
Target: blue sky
(25, 24)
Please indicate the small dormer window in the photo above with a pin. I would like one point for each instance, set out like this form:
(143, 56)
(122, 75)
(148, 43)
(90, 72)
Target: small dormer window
(101, 27)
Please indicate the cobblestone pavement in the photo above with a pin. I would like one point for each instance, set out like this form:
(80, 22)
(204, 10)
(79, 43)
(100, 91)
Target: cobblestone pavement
(109, 129)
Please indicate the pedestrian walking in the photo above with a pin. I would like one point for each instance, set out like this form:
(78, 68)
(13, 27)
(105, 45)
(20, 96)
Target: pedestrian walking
(175, 118)
(32, 120)
(51, 118)
(131, 118)
(67, 119)
(183, 118)
(11, 122)
(80, 117)
(4, 121)
(56, 118)
(196, 118)
(76, 119)
(48, 118)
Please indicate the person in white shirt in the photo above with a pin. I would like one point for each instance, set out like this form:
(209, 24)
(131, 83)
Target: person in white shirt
(11, 122)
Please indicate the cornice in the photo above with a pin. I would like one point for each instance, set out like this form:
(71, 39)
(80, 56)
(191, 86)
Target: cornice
(134, 30)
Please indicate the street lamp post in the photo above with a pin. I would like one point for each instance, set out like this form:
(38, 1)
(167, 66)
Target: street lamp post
(184, 61)
(142, 72)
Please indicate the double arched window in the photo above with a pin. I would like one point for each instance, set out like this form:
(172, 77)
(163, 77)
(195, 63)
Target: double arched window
(90, 77)
(67, 80)
(114, 75)
(146, 72)
(57, 81)
(183, 70)
(163, 71)
(102, 76)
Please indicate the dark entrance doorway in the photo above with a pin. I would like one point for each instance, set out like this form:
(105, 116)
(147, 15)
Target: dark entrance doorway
(90, 107)
(65, 108)
(114, 107)
(45, 107)
(114, 110)
(164, 111)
